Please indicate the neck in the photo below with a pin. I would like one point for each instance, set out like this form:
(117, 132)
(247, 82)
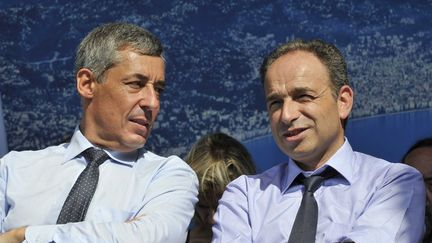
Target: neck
(90, 131)
(315, 161)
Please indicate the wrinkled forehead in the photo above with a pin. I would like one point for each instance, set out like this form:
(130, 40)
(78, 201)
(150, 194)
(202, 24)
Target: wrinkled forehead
(299, 67)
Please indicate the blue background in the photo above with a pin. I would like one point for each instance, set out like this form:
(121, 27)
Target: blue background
(214, 49)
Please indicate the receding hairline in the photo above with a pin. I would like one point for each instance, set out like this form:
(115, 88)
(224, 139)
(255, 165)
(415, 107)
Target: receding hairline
(306, 52)
(98, 50)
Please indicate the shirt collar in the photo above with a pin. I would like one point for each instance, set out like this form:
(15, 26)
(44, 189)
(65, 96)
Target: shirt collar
(79, 143)
(341, 161)
(292, 171)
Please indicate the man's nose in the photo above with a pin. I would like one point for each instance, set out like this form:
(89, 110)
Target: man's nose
(149, 98)
(290, 112)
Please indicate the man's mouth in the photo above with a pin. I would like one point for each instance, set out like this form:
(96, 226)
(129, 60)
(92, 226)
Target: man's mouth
(293, 132)
(140, 121)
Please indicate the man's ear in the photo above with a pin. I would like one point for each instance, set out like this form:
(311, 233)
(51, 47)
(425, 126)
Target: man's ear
(85, 83)
(345, 101)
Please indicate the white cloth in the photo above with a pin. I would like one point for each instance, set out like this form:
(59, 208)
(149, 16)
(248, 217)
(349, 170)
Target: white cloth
(140, 197)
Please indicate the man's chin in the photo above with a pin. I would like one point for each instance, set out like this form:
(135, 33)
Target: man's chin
(135, 142)
(289, 147)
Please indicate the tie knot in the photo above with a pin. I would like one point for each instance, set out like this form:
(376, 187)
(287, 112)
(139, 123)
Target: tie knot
(95, 156)
(312, 183)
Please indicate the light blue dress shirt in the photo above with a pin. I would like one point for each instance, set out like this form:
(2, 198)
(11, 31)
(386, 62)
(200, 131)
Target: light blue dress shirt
(141, 197)
(371, 200)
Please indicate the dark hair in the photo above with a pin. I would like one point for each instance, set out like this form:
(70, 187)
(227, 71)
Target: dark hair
(425, 142)
(327, 53)
(98, 51)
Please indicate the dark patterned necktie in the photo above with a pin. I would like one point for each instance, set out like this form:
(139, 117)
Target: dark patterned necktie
(305, 224)
(77, 202)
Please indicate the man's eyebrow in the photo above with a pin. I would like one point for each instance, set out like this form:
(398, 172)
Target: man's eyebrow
(307, 90)
(295, 91)
(272, 96)
(427, 179)
(138, 76)
(143, 77)
(298, 90)
(160, 84)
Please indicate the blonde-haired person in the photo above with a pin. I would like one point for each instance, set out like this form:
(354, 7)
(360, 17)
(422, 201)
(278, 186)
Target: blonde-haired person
(217, 159)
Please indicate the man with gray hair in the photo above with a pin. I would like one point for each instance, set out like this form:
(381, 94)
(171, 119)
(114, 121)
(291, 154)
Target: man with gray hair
(103, 186)
(325, 192)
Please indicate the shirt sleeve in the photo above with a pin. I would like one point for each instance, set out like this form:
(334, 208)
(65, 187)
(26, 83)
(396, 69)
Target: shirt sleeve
(396, 211)
(232, 216)
(164, 217)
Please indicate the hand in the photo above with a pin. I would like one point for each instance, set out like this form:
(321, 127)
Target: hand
(13, 236)
(133, 219)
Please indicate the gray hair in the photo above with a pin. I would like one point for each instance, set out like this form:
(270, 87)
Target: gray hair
(98, 51)
(327, 53)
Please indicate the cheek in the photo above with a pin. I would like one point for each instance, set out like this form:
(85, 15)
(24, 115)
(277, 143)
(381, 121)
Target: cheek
(126, 105)
(274, 117)
(329, 114)
(107, 111)
(157, 109)
(275, 125)
(116, 112)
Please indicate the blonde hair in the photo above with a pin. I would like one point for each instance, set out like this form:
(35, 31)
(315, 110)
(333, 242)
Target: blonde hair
(218, 159)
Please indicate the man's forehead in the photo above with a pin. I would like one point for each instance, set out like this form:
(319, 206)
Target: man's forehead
(295, 61)
(294, 55)
(296, 84)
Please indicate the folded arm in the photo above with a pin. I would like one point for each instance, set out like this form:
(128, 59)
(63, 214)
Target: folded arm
(396, 211)
(232, 216)
(163, 217)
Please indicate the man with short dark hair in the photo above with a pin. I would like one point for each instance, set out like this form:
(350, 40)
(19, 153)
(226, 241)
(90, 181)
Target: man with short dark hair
(419, 156)
(326, 192)
(103, 186)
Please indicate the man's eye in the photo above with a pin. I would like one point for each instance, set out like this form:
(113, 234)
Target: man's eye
(134, 84)
(274, 105)
(304, 98)
(159, 89)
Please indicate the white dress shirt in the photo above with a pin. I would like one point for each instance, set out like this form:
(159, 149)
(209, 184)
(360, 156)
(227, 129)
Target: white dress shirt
(140, 197)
